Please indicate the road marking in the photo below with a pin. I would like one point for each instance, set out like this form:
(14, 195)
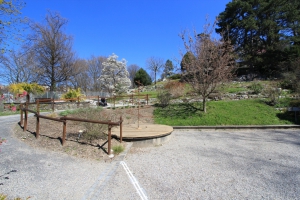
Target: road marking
(134, 181)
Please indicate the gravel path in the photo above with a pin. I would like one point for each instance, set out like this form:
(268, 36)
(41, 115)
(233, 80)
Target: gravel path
(26, 172)
(239, 164)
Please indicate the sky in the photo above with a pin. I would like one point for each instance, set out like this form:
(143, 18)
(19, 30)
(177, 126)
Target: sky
(132, 29)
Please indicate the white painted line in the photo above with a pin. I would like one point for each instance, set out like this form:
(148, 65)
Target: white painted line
(134, 181)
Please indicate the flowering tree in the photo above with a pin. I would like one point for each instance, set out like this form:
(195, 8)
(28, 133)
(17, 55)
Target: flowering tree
(115, 77)
(26, 89)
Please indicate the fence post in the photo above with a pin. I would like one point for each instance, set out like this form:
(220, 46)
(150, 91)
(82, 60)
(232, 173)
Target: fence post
(121, 122)
(37, 132)
(132, 99)
(26, 116)
(77, 102)
(21, 112)
(64, 132)
(109, 140)
(52, 104)
(114, 101)
(147, 98)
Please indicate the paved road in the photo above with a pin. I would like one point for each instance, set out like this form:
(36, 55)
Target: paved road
(240, 164)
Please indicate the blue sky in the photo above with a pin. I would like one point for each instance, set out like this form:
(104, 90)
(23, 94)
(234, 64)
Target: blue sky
(132, 29)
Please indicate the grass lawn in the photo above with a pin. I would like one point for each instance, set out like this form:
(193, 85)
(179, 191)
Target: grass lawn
(152, 94)
(243, 112)
(5, 113)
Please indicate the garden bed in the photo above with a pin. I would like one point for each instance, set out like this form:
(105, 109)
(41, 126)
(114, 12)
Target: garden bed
(51, 133)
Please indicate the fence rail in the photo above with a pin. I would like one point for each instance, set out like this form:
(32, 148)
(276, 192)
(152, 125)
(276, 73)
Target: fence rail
(24, 121)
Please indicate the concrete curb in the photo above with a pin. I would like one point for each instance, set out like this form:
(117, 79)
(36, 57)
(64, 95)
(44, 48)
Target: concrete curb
(239, 127)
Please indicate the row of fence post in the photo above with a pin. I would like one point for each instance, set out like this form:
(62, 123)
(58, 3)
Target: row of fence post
(24, 111)
(98, 100)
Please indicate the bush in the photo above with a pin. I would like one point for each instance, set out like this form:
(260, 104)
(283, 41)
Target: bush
(118, 149)
(72, 94)
(175, 88)
(175, 76)
(92, 131)
(273, 95)
(285, 84)
(256, 87)
(295, 103)
(164, 98)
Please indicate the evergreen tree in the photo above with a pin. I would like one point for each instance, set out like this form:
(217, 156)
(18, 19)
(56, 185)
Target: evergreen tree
(264, 32)
(168, 69)
(187, 60)
(142, 77)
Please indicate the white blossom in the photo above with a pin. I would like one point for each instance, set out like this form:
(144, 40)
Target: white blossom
(115, 77)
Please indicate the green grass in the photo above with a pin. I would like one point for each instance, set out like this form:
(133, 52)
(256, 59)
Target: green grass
(152, 94)
(243, 112)
(6, 113)
(236, 87)
(118, 149)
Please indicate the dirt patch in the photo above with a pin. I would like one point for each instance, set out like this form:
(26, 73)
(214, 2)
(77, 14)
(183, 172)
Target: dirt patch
(76, 144)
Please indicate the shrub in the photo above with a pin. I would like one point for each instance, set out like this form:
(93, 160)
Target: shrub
(52, 114)
(295, 103)
(175, 76)
(164, 98)
(92, 131)
(273, 95)
(256, 87)
(175, 88)
(72, 94)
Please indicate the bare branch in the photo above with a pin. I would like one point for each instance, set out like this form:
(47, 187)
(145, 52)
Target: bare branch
(53, 50)
(155, 65)
(207, 62)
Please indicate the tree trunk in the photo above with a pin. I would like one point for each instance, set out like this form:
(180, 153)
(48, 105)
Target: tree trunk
(155, 79)
(204, 104)
(28, 97)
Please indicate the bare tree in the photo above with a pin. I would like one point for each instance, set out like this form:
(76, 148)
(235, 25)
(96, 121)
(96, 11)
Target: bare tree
(94, 71)
(132, 69)
(212, 62)
(155, 65)
(53, 50)
(18, 66)
(80, 79)
(11, 23)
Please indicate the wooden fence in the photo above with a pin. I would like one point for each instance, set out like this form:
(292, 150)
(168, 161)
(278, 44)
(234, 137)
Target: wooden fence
(78, 101)
(24, 119)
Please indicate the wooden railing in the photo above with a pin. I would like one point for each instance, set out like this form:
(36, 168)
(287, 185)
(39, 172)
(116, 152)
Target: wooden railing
(78, 101)
(24, 120)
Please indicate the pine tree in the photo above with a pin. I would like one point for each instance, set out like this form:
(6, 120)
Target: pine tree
(142, 77)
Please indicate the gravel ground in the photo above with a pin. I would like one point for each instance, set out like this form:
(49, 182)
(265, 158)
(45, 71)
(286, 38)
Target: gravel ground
(239, 164)
(27, 172)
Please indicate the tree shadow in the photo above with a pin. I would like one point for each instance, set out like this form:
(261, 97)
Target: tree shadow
(183, 110)
(102, 146)
(5, 175)
(70, 139)
(291, 116)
